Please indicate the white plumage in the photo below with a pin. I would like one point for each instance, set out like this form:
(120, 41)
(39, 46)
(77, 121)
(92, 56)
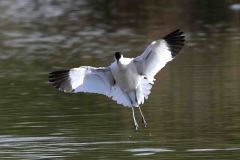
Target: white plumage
(128, 81)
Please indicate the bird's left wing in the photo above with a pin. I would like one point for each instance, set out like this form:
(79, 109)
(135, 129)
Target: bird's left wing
(83, 79)
(158, 53)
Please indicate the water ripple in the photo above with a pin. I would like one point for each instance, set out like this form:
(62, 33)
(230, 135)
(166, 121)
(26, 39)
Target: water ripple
(148, 151)
(212, 149)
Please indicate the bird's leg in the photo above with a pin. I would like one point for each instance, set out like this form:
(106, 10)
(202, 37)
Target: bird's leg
(134, 119)
(143, 118)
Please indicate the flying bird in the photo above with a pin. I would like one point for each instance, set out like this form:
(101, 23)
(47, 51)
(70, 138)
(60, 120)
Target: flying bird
(128, 81)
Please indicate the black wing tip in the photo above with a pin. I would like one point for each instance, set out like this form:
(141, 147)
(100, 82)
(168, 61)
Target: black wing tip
(175, 41)
(59, 72)
(60, 80)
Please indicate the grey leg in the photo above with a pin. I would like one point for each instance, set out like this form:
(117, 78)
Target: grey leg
(134, 119)
(143, 118)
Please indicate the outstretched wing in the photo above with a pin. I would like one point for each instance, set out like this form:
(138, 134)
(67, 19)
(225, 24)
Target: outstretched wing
(158, 53)
(83, 79)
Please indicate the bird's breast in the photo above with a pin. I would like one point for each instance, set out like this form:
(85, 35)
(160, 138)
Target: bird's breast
(126, 77)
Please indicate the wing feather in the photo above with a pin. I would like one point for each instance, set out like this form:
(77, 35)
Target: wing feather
(159, 53)
(83, 79)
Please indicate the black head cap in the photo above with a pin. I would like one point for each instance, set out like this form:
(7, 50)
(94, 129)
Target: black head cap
(118, 55)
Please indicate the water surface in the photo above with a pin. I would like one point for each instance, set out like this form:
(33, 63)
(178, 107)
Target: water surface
(192, 113)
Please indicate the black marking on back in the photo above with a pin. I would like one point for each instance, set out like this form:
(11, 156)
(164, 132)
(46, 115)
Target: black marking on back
(60, 80)
(175, 41)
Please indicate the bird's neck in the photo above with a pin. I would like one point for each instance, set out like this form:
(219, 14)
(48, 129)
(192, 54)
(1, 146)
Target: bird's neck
(121, 64)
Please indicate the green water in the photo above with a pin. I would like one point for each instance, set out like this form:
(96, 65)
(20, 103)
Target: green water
(193, 112)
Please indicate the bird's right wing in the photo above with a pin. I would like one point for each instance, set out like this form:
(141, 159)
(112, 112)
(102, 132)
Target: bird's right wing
(83, 79)
(91, 80)
(158, 53)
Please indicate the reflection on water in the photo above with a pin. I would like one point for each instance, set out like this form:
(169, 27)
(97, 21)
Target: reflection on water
(148, 151)
(59, 147)
(193, 111)
(51, 147)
